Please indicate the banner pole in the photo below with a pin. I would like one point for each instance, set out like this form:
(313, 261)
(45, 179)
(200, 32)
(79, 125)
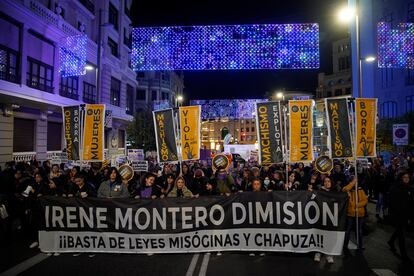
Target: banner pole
(286, 144)
(353, 108)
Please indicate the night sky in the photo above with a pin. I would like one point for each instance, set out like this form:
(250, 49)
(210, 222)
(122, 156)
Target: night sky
(247, 83)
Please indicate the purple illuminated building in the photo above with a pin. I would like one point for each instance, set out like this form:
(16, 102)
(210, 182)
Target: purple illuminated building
(49, 59)
(391, 77)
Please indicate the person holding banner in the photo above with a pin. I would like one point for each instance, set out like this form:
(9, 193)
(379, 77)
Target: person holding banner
(113, 187)
(356, 209)
(148, 189)
(180, 189)
(168, 184)
(224, 180)
(83, 189)
(293, 183)
(327, 187)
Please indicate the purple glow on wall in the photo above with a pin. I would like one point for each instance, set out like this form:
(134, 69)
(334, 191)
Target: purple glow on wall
(395, 46)
(73, 56)
(226, 47)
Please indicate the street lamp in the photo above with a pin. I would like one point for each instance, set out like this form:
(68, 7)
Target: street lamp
(179, 100)
(280, 96)
(345, 15)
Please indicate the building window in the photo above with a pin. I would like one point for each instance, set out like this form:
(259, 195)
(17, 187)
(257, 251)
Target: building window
(141, 94)
(338, 92)
(328, 93)
(153, 95)
(348, 90)
(39, 75)
(409, 77)
(54, 136)
(387, 76)
(129, 100)
(89, 5)
(115, 91)
(409, 105)
(389, 109)
(252, 129)
(69, 87)
(127, 38)
(141, 75)
(113, 46)
(23, 135)
(89, 93)
(121, 138)
(113, 16)
(8, 64)
(410, 12)
(164, 96)
(247, 129)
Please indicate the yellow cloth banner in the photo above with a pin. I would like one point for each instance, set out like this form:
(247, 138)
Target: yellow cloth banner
(190, 132)
(300, 125)
(366, 132)
(93, 133)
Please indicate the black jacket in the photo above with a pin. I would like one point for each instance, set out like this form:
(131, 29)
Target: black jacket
(400, 203)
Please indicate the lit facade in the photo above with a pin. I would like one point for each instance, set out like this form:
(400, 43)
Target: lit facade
(32, 90)
(158, 89)
(338, 83)
(394, 87)
(243, 131)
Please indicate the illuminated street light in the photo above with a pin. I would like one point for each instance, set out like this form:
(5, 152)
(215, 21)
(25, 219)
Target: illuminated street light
(89, 67)
(346, 14)
(370, 59)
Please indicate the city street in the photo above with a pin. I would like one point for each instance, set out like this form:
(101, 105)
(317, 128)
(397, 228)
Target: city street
(376, 259)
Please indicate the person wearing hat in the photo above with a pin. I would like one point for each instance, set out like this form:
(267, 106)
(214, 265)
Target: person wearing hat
(198, 182)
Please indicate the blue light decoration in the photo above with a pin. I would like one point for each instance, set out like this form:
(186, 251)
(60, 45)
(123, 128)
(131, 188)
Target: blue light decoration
(226, 47)
(395, 46)
(231, 109)
(73, 56)
(160, 105)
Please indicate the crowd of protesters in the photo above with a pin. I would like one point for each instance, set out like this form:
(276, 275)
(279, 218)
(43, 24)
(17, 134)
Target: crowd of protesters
(391, 186)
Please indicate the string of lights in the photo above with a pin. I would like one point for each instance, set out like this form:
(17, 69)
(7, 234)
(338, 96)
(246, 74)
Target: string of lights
(73, 56)
(231, 109)
(395, 46)
(224, 47)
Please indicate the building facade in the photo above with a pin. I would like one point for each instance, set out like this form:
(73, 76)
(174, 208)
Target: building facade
(340, 81)
(32, 91)
(243, 131)
(158, 88)
(394, 88)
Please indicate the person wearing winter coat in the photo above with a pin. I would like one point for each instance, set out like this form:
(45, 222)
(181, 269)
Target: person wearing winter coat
(356, 209)
(180, 189)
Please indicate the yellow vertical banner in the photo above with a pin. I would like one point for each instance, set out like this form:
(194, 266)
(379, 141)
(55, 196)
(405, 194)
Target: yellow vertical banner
(93, 132)
(300, 125)
(365, 124)
(190, 132)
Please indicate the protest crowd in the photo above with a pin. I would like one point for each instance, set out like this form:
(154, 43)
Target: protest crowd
(391, 186)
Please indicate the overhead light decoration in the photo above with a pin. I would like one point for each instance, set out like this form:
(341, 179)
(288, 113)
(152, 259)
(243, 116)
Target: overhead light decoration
(395, 46)
(73, 56)
(231, 109)
(160, 105)
(226, 47)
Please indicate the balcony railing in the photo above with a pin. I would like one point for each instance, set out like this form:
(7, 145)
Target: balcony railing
(50, 17)
(89, 5)
(67, 94)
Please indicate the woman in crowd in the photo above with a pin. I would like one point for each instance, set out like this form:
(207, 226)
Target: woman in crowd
(168, 185)
(186, 173)
(198, 182)
(148, 189)
(327, 187)
(277, 180)
(293, 183)
(356, 209)
(225, 181)
(113, 187)
(209, 188)
(256, 187)
(180, 189)
(400, 213)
